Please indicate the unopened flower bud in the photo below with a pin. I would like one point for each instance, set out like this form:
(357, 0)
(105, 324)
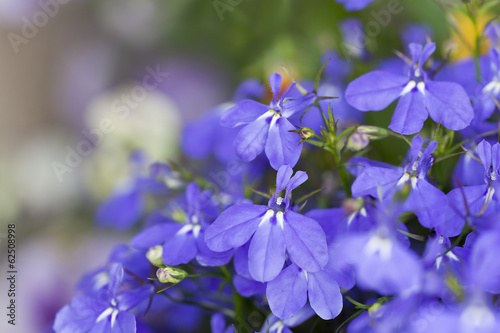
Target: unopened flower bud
(154, 255)
(373, 132)
(170, 275)
(306, 133)
(357, 141)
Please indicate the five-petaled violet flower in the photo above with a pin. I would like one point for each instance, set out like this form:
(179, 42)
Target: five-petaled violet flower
(479, 200)
(276, 230)
(105, 313)
(425, 200)
(183, 240)
(419, 96)
(267, 126)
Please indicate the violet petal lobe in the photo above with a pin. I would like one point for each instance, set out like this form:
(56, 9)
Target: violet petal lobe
(324, 295)
(448, 104)
(234, 227)
(305, 241)
(287, 293)
(242, 113)
(266, 254)
(374, 91)
(251, 140)
(410, 114)
(282, 147)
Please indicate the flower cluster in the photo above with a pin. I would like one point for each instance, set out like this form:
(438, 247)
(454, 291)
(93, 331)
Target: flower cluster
(379, 247)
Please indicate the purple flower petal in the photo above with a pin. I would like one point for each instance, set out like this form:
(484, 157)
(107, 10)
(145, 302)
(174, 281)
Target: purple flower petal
(275, 83)
(283, 177)
(374, 91)
(79, 316)
(484, 153)
(115, 278)
(305, 241)
(242, 113)
(427, 51)
(371, 179)
(125, 323)
(180, 249)
(484, 261)
(288, 292)
(454, 219)
(234, 227)
(353, 5)
(448, 104)
(266, 254)
(155, 235)
(410, 114)
(251, 140)
(282, 147)
(247, 287)
(207, 257)
(324, 295)
(427, 202)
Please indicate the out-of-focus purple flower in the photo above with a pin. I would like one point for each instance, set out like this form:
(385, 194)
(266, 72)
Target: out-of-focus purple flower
(416, 33)
(419, 96)
(491, 90)
(381, 261)
(354, 41)
(353, 5)
(206, 136)
(218, 324)
(107, 312)
(183, 240)
(125, 206)
(492, 31)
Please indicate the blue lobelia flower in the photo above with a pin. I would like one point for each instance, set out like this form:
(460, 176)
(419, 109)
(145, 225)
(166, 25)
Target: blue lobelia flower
(382, 261)
(182, 242)
(354, 39)
(419, 96)
(108, 312)
(276, 230)
(126, 204)
(480, 200)
(425, 200)
(289, 291)
(132, 261)
(492, 32)
(267, 126)
(218, 324)
(353, 5)
(491, 90)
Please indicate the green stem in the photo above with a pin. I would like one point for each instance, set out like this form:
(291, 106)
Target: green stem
(238, 302)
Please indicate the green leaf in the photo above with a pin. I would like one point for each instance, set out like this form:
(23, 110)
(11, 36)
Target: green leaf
(318, 76)
(349, 320)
